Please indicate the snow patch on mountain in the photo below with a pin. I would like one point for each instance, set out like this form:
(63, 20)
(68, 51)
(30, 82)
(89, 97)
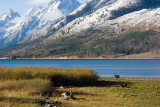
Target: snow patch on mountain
(35, 19)
(91, 14)
(9, 15)
(145, 19)
(99, 16)
(102, 17)
(5, 21)
(123, 3)
(112, 14)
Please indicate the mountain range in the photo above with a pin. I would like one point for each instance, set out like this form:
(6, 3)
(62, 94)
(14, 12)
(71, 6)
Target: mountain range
(36, 18)
(95, 28)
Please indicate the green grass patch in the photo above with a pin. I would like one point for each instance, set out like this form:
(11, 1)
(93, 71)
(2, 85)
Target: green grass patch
(107, 93)
(139, 93)
(23, 87)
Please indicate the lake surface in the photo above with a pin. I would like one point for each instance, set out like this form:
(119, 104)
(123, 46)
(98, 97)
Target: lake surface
(104, 67)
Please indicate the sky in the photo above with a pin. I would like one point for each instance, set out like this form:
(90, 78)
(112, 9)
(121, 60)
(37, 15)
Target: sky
(21, 6)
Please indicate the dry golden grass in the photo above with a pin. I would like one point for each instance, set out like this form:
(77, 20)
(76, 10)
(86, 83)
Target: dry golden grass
(24, 88)
(140, 93)
(147, 55)
(58, 76)
(21, 87)
(22, 93)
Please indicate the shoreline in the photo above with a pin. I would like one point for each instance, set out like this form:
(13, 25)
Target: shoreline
(81, 58)
(147, 55)
(130, 77)
(133, 78)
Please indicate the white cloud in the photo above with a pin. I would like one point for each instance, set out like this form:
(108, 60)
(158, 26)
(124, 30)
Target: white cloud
(37, 2)
(53, 15)
(82, 1)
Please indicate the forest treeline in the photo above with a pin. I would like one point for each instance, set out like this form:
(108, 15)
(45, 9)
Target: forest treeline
(91, 43)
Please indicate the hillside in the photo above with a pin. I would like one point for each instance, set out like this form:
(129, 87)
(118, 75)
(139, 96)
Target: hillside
(92, 43)
(96, 29)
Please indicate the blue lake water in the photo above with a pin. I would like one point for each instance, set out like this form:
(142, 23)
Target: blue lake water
(104, 67)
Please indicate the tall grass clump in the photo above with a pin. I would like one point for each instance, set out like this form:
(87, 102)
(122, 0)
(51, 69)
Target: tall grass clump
(58, 76)
(34, 85)
(24, 93)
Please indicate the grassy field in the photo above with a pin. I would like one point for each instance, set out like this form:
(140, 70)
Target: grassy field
(22, 93)
(105, 92)
(139, 93)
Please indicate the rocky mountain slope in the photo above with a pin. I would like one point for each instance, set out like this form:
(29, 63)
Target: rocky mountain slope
(95, 13)
(87, 15)
(96, 28)
(35, 19)
(5, 21)
(7, 17)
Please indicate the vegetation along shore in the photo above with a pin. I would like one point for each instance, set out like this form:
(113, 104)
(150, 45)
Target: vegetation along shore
(38, 87)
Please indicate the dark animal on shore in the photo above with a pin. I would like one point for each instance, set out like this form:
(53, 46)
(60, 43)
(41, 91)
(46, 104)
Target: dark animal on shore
(116, 76)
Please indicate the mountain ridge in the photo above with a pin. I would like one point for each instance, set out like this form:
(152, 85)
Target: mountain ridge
(88, 29)
(35, 19)
(95, 17)
(5, 21)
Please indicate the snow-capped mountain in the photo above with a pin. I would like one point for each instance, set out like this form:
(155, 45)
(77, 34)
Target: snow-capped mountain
(35, 19)
(113, 14)
(144, 20)
(5, 21)
(105, 18)
(95, 13)
(114, 9)
(7, 17)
